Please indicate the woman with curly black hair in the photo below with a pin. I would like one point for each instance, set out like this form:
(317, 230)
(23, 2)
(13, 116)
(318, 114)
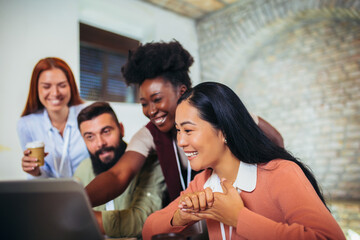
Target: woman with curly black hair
(161, 70)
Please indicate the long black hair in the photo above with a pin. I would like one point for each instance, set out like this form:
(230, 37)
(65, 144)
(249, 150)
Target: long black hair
(223, 109)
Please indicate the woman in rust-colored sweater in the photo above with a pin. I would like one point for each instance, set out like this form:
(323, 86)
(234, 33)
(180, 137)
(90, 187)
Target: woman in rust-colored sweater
(251, 188)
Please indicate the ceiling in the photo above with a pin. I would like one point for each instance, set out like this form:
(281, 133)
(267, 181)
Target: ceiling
(192, 8)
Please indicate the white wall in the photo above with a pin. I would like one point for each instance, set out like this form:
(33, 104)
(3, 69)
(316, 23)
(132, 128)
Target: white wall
(31, 30)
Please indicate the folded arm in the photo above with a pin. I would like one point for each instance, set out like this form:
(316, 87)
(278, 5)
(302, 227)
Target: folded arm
(161, 221)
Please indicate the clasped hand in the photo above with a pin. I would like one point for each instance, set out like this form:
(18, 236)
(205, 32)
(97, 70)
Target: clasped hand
(223, 207)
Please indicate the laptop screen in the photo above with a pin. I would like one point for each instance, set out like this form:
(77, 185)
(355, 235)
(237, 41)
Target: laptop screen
(46, 209)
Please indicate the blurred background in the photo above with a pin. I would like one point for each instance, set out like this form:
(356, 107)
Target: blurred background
(294, 63)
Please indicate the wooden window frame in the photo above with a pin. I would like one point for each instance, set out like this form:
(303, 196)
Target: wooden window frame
(106, 42)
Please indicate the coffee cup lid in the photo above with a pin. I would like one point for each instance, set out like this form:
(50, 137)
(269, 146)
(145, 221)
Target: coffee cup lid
(35, 144)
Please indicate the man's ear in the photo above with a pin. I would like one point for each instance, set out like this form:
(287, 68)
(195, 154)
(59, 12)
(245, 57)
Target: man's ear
(122, 131)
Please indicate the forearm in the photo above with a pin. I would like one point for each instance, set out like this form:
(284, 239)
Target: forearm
(104, 188)
(160, 222)
(110, 184)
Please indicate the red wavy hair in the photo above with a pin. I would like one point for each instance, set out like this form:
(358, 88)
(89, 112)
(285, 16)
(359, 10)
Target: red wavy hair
(33, 103)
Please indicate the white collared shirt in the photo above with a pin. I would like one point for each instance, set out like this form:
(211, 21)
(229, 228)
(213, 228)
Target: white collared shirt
(245, 181)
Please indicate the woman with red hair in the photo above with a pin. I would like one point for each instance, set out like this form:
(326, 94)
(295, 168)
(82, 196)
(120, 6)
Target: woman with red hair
(50, 116)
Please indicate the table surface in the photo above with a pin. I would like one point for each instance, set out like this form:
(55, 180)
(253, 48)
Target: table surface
(120, 238)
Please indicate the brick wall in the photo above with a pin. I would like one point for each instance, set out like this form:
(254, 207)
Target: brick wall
(296, 64)
(347, 215)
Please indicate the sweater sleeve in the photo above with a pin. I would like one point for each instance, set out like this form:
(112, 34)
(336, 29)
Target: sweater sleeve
(146, 198)
(160, 221)
(305, 216)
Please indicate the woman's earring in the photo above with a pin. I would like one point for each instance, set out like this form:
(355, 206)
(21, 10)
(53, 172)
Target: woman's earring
(225, 141)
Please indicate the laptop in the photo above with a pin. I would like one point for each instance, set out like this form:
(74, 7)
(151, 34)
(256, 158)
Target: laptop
(46, 209)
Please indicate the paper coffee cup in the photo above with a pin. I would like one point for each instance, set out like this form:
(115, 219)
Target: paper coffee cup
(37, 150)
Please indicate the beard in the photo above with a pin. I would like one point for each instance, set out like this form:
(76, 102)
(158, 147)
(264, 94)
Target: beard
(99, 166)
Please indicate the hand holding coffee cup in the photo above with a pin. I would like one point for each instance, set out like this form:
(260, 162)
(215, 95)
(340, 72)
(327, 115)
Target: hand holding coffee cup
(30, 161)
(37, 150)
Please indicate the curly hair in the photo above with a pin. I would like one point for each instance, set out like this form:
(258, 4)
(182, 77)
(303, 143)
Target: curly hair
(168, 60)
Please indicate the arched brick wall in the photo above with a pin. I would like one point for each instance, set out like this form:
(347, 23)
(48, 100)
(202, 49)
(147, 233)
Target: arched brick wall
(301, 72)
(297, 64)
(307, 82)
